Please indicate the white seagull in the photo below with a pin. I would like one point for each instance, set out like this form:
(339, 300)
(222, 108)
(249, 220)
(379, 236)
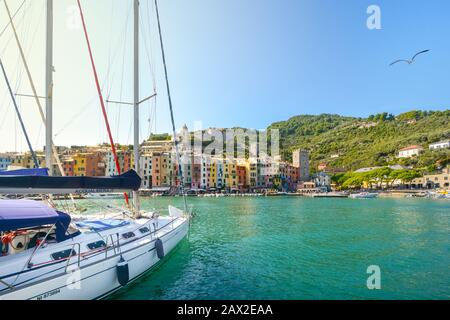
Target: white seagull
(409, 61)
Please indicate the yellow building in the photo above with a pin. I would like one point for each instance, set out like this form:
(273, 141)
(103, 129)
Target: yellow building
(162, 170)
(212, 174)
(231, 177)
(25, 160)
(79, 164)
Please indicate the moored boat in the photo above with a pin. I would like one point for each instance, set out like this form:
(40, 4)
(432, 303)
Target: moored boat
(363, 195)
(45, 255)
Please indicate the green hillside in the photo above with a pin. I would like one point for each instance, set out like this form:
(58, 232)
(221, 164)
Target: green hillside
(349, 143)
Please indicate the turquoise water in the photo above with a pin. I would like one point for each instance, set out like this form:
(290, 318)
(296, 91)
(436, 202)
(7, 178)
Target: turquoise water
(300, 248)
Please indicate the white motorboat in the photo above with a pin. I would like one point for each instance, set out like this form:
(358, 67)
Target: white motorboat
(46, 256)
(363, 195)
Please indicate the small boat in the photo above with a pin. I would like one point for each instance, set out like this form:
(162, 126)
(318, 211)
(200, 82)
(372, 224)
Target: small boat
(330, 195)
(363, 195)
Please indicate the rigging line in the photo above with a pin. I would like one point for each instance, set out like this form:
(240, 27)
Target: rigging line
(33, 87)
(102, 103)
(38, 136)
(117, 51)
(18, 24)
(148, 57)
(108, 67)
(14, 15)
(74, 117)
(180, 173)
(36, 164)
(122, 76)
(5, 116)
(149, 54)
(153, 66)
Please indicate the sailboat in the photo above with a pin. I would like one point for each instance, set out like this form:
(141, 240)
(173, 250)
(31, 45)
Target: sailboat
(45, 254)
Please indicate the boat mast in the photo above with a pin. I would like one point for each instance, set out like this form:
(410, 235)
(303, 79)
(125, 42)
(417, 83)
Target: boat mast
(136, 102)
(49, 88)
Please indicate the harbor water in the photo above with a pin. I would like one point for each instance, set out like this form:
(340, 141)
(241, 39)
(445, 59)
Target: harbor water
(303, 248)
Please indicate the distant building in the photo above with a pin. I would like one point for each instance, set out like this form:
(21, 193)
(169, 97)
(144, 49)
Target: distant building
(307, 187)
(300, 160)
(157, 146)
(242, 177)
(322, 180)
(444, 144)
(95, 165)
(68, 165)
(145, 166)
(5, 161)
(410, 151)
(433, 181)
(125, 162)
(334, 156)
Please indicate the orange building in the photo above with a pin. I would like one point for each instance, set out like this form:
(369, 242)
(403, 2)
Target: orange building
(95, 165)
(68, 167)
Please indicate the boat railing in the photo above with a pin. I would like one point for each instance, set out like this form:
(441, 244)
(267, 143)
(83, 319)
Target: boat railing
(78, 245)
(107, 245)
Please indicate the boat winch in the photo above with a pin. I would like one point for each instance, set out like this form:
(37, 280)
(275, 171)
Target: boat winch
(123, 273)
(159, 248)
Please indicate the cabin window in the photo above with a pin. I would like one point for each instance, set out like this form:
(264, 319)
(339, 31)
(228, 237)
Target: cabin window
(96, 245)
(144, 230)
(128, 235)
(64, 254)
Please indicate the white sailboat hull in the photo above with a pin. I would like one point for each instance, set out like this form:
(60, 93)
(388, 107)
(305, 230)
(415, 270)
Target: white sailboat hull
(99, 279)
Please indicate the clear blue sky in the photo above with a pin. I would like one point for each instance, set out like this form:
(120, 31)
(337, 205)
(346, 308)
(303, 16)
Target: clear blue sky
(239, 63)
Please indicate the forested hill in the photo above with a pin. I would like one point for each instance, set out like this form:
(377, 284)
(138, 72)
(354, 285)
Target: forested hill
(350, 143)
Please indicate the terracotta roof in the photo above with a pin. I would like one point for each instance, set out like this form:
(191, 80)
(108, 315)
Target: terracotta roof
(411, 147)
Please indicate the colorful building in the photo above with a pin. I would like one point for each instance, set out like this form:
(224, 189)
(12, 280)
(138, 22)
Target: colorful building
(68, 165)
(124, 157)
(231, 176)
(241, 171)
(146, 170)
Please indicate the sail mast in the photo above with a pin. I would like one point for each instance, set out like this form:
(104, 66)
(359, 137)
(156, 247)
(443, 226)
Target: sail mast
(136, 101)
(49, 88)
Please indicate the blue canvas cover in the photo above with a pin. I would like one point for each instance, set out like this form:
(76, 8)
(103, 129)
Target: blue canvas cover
(19, 214)
(25, 172)
(100, 225)
(129, 180)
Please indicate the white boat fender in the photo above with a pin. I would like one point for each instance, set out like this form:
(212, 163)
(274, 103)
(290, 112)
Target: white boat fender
(123, 274)
(159, 248)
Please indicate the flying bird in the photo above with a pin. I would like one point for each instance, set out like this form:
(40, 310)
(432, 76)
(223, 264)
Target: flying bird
(409, 61)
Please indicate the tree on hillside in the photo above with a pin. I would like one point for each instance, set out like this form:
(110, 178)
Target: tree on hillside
(384, 116)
